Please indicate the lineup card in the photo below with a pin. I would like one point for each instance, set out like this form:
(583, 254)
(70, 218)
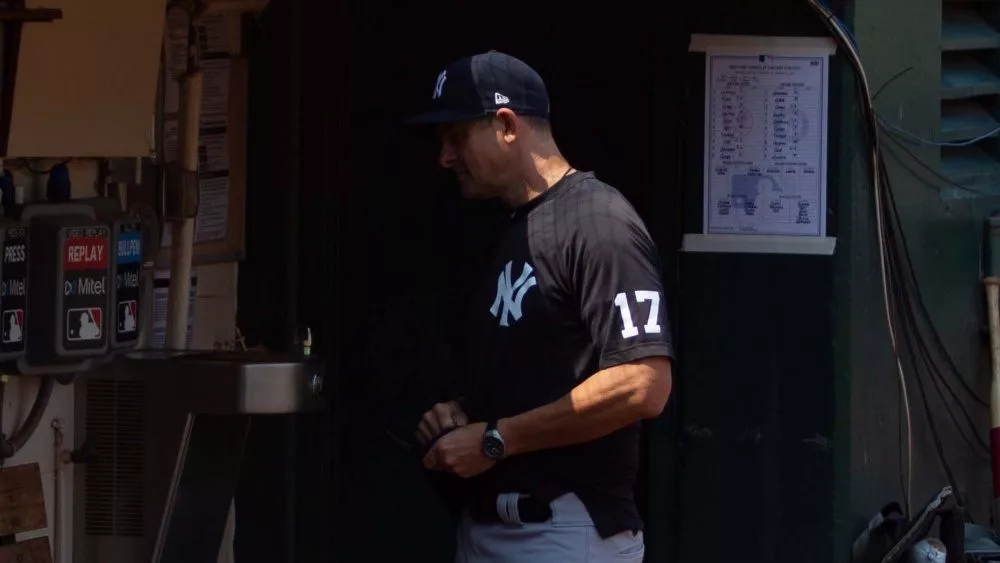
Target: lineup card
(765, 144)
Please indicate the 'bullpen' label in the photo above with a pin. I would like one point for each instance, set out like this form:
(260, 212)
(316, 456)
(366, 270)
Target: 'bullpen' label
(128, 256)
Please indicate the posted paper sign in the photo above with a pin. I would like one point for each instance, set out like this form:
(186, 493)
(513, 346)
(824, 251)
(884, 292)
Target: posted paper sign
(765, 135)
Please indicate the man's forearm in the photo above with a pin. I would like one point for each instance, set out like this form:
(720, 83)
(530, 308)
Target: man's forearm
(608, 400)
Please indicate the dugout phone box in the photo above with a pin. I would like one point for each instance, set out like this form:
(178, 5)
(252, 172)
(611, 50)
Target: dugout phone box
(70, 268)
(124, 289)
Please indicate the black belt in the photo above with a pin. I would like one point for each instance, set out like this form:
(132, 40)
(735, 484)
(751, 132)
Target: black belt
(530, 510)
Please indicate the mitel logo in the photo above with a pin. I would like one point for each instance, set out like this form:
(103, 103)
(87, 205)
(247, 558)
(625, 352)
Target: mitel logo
(12, 288)
(129, 280)
(85, 286)
(506, 295)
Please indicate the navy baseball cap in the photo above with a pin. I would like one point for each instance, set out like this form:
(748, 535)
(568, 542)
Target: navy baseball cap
(479, 85)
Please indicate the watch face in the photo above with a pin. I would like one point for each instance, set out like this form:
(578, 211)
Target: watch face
(493, 446)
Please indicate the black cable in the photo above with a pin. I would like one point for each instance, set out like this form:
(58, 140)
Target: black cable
(907, 266)
(900, 304)
(913, 341)
(934, 430)
(913, 337)
(892, 137)
(909, 328)
(899, 450)
(877, 174)
(9, 447)
(27, 165)
(983, 452)
(898, 131)
(894, 78)
(938, 378)
(897, 237)
(42, 396)
(874, 160)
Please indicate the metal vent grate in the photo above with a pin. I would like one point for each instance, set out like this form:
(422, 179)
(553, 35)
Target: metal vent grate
(113, 492)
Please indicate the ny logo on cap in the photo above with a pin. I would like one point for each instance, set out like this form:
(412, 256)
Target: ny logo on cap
(440, 84)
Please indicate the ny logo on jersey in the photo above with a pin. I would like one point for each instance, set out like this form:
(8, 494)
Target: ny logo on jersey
(506, 295)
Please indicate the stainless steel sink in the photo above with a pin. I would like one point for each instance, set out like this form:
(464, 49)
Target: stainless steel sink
(198, 408)
(234, 382)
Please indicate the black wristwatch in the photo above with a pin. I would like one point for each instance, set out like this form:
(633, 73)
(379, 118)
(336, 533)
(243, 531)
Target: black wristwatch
(493, 444)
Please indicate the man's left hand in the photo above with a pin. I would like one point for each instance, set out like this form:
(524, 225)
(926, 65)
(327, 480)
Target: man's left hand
(460, 452)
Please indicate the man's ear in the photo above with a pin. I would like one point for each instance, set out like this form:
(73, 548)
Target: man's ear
(509, 125)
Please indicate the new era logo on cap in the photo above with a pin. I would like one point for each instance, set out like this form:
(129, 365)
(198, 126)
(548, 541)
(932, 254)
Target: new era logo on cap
(478, 85)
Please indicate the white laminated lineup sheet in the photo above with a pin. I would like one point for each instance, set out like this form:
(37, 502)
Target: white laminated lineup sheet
(765, 145)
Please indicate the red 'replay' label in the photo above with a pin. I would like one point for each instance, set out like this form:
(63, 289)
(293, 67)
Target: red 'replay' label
(85, 253)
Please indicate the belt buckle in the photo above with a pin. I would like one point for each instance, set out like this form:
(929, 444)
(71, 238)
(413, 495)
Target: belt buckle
(508, 509)
(518, 509)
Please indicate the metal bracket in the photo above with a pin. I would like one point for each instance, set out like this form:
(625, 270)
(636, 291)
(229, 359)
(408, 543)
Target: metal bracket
(43, 15)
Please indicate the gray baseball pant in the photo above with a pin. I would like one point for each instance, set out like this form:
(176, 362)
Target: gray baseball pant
(568, 537)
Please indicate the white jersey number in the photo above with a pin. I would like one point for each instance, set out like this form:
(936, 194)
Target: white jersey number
(652, 326)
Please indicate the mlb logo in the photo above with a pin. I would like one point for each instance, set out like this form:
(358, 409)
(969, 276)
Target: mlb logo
(13, 326)
(127, 317)
(83, 324)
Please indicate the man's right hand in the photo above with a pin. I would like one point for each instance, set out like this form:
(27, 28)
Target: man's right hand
(441, 418)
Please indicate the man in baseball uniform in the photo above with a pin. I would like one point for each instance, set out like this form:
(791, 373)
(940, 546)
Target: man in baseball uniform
(568, 342)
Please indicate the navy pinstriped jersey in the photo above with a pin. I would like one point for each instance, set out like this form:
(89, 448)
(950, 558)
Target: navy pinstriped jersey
(575, 287)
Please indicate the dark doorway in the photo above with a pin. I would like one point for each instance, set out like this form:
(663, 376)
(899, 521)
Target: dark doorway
(409, 248)
(386, 252)
(379, 251)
